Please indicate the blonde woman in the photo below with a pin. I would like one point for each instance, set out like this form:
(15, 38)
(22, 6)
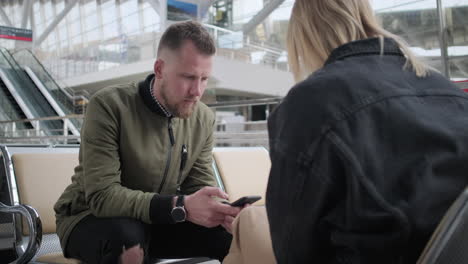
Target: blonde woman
(368, 149)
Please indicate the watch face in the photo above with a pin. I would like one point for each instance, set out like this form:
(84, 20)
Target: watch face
(178, 214)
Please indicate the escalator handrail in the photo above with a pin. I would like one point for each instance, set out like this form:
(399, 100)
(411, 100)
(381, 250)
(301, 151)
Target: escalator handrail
(67, 106)
(12, 63)
(50, 78)
(9, 64)
(10, 107)
(20, 76)
(2, 52)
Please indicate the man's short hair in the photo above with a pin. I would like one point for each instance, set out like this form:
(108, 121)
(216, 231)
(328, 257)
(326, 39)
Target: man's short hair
(176, 34)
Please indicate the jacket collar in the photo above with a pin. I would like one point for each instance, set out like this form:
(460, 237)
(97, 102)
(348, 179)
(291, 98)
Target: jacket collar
(364, 47)
(145, 93)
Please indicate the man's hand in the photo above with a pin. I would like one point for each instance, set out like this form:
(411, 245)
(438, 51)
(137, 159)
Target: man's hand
(227, 224)
(203, 210)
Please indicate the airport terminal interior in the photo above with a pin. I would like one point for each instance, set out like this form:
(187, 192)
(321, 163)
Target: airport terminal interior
(55, 54)
(67, 50)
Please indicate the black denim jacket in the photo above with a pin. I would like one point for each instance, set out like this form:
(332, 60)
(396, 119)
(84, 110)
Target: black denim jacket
(366, 159)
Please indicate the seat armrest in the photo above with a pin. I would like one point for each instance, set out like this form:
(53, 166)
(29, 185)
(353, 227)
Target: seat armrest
(35, 230)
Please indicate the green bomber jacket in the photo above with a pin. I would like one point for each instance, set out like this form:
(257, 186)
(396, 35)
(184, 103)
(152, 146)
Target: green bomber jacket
(129, 165)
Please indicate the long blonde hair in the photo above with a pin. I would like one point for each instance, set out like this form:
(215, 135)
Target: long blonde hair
(317, 27)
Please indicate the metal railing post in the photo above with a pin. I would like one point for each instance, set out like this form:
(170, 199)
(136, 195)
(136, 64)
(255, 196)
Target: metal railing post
(443, 39)
(38, 129)
(65, 127)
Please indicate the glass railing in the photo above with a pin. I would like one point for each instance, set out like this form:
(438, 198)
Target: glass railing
(9, 108)
(419, 23)
(62, 97)
(234, 125)
(9, 111)
(14, 133)
(136, 46)
(235, 45)
(32, 98)
(457, 35)
(25, 58)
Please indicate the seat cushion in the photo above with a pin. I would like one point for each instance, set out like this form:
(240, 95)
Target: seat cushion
(251, 243)
(56, 258)
(243, 171)
(41, 179)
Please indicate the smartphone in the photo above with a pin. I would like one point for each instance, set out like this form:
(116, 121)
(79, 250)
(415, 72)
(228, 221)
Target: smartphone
(245, 200)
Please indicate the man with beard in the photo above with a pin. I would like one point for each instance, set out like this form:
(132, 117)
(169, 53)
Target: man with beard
(144, 186)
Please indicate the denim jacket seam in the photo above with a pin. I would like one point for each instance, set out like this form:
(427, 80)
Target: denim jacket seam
(371, 192)
(366, 102)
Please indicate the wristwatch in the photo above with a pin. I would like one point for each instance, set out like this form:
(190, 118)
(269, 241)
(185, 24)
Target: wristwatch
(178, 212)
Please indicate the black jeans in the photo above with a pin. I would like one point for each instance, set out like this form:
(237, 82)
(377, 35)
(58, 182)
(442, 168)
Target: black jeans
(101, 240)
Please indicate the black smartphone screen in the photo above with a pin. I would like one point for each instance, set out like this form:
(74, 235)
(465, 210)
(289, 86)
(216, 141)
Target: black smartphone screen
(246, 200)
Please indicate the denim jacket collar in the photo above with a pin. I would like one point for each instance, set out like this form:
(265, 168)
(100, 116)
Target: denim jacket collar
(364, 47)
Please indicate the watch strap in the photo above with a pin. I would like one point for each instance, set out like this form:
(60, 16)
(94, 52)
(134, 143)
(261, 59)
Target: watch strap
(180, 201)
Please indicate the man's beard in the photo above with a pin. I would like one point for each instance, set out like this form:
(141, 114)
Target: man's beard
(177, 110)
(180, 111)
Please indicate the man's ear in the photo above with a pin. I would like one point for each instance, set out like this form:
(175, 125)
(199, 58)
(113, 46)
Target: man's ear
(158, 68)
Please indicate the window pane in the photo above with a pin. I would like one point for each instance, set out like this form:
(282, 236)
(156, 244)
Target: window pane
(75, 32)
(110, 30)
(130, 19)
(128, 8)
(59, 6)
(109, 19)
(74, 13)
(63, 35)
(244, 10)
(151, 18)
(91, 21)
(108, 12)
(457, 39)
(48, 12)
(415, 21)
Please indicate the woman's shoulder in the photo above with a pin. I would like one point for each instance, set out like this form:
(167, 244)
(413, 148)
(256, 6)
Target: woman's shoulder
(322, 92)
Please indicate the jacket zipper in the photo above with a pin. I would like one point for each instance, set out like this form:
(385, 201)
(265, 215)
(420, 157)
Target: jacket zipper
(169, 155)
(183, 159)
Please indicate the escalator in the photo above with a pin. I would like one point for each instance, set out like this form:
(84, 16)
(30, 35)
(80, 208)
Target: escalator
(61, 100)
(10, 110)
(59, 107)
(23, 95)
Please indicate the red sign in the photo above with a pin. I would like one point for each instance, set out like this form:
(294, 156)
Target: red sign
(16, 33)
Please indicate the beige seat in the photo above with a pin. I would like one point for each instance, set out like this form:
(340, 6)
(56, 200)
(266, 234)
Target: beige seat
(36, 176)
(243, 171)
(41, 175)
(41, 179)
